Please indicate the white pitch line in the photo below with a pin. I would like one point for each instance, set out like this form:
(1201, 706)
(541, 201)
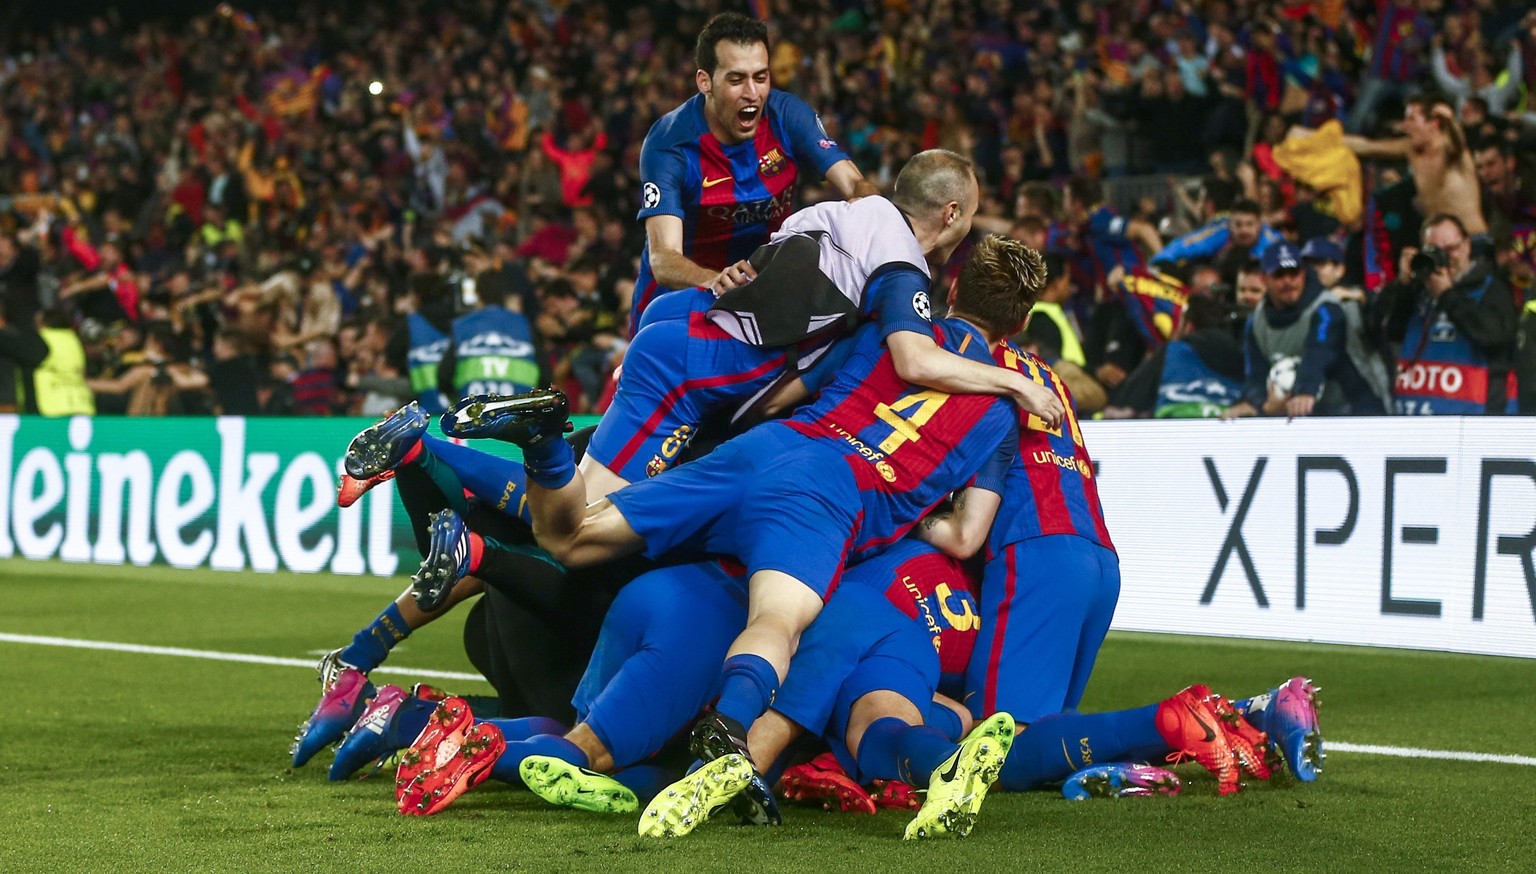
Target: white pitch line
(217, 656)
(1417, 753)
(1332, 746)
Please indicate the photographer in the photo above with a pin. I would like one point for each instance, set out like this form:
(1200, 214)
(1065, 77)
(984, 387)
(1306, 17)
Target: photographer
(1452, 323)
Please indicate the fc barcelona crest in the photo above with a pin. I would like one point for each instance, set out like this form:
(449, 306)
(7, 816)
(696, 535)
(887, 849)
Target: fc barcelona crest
(771, 164)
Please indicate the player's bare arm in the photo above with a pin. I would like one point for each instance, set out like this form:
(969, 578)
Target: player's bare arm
(960, 531)
(849, 182)
(669, 265)
(920, 361)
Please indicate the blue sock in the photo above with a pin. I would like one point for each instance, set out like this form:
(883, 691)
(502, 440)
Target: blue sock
(550, 464)
(372, 644)
(513, 730)
(945, 720)
(1056, 746)
(1256, 709)
(893, 750)
(495, 482)
(411, 719)
(509, 761)
(747, 687)
(646, 781)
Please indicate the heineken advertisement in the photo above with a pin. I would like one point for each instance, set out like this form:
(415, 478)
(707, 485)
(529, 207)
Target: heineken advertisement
(226, 493)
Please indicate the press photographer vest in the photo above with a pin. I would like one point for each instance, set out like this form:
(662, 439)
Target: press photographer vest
(493, 351)
(1440, 372)
(426, 351)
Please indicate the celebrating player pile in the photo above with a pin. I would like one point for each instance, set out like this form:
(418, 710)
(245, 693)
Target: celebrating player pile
(770, 579)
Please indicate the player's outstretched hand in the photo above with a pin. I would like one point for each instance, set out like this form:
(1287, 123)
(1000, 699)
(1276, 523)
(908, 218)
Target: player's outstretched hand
(1043, 402)
(734, 276)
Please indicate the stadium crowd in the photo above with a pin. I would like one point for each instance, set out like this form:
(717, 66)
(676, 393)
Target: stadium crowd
(240, 213)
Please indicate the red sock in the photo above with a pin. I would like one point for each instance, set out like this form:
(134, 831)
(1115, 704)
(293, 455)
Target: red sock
(476, 551)
(412, 454)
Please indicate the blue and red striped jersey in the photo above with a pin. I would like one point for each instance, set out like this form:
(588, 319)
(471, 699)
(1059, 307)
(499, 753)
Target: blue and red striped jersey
(729, 197)
(1050, 489)
(908, 446)
(935, 591)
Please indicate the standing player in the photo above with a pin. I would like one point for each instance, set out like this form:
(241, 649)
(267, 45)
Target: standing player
(846, 476)
(1048, 593)
(718, 173)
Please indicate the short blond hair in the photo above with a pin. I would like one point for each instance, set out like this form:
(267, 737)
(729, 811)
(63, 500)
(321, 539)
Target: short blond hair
(1001, 281)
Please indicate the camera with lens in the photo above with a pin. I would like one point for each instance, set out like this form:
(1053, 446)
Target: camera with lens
(1426, 261)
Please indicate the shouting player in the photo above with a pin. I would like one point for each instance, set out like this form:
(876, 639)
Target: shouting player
(718, 173)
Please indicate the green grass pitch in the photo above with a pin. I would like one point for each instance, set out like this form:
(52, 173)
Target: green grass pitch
(122, 762)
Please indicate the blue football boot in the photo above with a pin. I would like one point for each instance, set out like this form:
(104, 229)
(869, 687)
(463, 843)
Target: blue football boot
(1119, 780)
(345, 692)
(528, 419)
(446, 563)
(381, 446)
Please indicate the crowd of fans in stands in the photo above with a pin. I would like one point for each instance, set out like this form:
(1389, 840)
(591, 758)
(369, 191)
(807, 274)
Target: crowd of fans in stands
(234, 213)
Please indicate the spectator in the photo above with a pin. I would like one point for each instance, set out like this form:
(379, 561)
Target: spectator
(22, 349)
(1509, 196)
(1201, 372)
(575, 163)
(232, 376)
(1249, 290)
(315, 391)
(1302, 354)
(19, 268)
(1436, 150)
(153, 379)
(1402, 32)
(1227, 241)
(1499, 89)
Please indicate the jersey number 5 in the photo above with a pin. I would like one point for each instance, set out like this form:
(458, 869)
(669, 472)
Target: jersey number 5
(903, 429)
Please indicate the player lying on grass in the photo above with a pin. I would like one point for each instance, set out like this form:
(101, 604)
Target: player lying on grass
(531, 634)
(653, 671)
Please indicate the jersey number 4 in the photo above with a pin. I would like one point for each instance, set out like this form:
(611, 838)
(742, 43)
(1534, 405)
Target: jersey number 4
(907, 428)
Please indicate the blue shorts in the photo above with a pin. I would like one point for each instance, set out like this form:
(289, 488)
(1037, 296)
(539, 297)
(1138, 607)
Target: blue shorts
(677, 373)
(657, 660)
(1046, 605)
(860, 643)
(773, 499)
